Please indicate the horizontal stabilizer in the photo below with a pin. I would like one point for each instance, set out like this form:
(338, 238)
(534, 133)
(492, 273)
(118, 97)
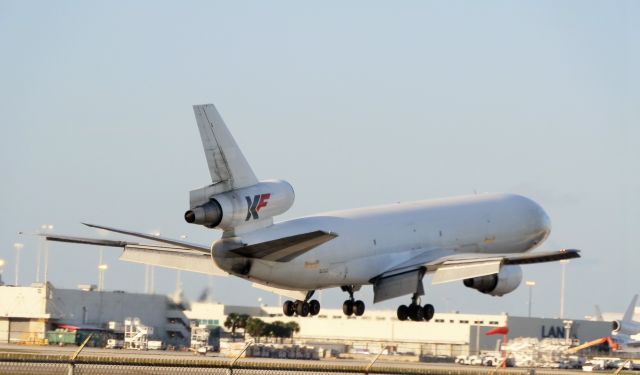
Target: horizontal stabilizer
(286, 248)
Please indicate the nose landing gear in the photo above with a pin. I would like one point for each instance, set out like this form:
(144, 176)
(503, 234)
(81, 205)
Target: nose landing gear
(414, 311)
(301, 308)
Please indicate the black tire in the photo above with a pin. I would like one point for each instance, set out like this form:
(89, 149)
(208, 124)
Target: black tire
(415, 312)
(347, 307)
(403, 312)
(288, 308)
(314, 307)
(302, 308)
(427, 311)
(358, 308)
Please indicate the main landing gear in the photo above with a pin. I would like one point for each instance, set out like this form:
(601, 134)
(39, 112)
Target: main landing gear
(414, 311)
(351, 306)
(301, 308)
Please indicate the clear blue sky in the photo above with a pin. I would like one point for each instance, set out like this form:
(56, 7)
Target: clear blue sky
(355, 104)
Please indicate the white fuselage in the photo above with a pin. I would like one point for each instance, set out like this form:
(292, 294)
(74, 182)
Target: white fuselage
(375, 239)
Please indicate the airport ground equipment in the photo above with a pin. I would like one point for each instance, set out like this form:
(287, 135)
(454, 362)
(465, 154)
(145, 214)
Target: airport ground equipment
(479, 240)
(136, 334)
(612, 345)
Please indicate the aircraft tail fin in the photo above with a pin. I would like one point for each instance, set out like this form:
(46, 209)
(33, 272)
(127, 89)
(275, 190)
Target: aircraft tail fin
(599, 316)
(227, 164)
(628, 315)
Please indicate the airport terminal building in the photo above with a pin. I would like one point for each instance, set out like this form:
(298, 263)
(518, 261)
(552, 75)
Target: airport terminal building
(447, 334)
(28, 313)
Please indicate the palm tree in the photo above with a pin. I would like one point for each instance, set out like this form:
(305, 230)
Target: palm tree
(232, 323)
(242, 323)
(255, 327)
(293, 327)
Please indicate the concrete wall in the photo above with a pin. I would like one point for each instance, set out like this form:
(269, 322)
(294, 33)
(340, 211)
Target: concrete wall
(4, 330)
(23, 302)
(96, 308)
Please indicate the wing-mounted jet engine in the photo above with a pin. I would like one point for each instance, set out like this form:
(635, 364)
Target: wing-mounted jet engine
(498, 284)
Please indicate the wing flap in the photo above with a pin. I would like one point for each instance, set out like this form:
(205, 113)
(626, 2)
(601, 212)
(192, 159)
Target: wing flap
(398, 285)
(454, 271)
(293, 294)
(452, 267)
(168, 257)
(286, 248)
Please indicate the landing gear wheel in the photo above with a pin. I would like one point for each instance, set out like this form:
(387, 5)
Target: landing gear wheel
(358, 308)
(415, 312)
(302, 308)
(288, 308)
(314, 307)
(427, 311)
(403, 312)
(347, 307)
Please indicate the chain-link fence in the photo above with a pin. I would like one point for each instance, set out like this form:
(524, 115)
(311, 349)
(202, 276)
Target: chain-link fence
(28, 363)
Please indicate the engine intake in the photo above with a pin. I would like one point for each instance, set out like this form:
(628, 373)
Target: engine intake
(498, 284)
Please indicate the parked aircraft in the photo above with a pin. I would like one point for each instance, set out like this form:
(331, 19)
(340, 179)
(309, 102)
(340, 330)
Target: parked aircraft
(626, 331)
(480, 240)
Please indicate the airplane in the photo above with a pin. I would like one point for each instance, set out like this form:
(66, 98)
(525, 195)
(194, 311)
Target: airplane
(480, 240)
(626, 331)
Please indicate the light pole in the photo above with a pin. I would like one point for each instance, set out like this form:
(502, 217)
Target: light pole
(1, 268)
(530, 284)
(149, 272)
(563, 264)
(101, 269)
(18, 246)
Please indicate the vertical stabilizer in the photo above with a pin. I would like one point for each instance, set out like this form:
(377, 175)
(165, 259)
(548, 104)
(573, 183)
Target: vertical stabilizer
(599, 317)
(628, 315)
(227, 164)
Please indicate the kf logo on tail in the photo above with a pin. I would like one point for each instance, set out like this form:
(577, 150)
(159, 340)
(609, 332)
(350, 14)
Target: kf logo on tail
(253, 206)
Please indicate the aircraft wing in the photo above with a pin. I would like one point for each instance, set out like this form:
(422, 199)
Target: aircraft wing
(450, 268)
(177, 254)
(406, 277)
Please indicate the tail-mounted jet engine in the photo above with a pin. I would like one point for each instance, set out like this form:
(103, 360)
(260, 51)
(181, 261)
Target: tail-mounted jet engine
(236, 207)
(626, 327)
(498, 284)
